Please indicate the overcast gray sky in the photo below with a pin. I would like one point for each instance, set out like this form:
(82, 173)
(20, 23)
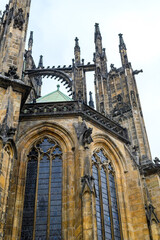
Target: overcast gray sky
(57, 23)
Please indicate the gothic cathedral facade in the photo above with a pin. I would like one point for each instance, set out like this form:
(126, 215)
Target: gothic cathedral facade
(68, 170)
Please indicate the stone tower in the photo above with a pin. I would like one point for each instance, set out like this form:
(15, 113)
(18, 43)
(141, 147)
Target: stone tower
(124, 104)
(68, 171)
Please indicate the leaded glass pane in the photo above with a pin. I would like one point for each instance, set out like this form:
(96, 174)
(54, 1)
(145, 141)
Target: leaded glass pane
(42, 199)
(29, 202)
(98, 207)
(107, 220)
(50, 174)
(56, 198)
(46, 145)
(114, 206)
(101, 156)
(106, 205)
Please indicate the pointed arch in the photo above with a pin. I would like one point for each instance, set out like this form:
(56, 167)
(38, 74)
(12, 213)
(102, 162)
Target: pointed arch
(26, 141)
(107, 212)
(116, 152)
(112, 150)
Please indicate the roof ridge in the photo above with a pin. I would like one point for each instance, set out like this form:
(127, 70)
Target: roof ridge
(48, 94)
(64, 95)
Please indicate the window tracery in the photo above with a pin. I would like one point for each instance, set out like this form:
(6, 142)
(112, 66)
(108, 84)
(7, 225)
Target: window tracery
(43, 192)
(107, 214)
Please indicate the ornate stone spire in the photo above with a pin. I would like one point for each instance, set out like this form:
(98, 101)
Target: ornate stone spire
(77, 51)
(123, 51)
(13, 35)
(40, 65)
(91, 102)
(30, 42)
(97, 32)
(122, 45)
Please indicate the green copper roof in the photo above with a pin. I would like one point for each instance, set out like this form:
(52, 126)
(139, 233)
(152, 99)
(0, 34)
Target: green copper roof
(56, 96)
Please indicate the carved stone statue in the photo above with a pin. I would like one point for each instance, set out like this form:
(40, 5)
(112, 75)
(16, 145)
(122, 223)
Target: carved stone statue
(19, 19)
(83, 134)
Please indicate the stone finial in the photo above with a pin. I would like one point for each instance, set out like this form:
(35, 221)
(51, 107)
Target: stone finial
(121, 42)
(91, 102)
(30, 41)
(97, 32)
(58, 87)
(40, 65)
(76, 42)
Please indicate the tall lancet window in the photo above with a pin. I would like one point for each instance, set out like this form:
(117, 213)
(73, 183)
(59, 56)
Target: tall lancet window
(107, 214)
(42, 213)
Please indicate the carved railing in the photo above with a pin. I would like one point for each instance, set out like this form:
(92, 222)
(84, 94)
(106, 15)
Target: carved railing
(76, 108)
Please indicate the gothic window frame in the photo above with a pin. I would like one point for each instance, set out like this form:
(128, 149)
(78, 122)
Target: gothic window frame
(40, 156)
(108, 168)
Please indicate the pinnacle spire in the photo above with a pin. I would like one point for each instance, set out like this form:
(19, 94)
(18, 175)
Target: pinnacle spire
(30, 41)
(122, 45)
(91, 102)
(76, 42)
(40, 65)
(77, 51)
(123, 51)
(97, 32)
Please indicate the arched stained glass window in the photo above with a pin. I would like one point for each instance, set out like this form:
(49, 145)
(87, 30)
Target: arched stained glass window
(107, 216)
(43, 192)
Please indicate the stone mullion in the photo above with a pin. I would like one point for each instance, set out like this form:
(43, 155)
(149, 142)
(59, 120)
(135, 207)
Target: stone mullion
(49, 197)
(118, 206)
(36, 196)
(110, 204)
(101, 202)
(64, 196)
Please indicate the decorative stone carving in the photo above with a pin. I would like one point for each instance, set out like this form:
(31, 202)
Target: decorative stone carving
(12, 73)
(137, 72)
(19, 19)
(120, 107)
(80, 96)
(156, 160)
(10, 15)
(133, 99)
(87, 139)
(150, 168)
(113, 68)
(150, 214)
(135, 153)
(87, 184)
(83, 134)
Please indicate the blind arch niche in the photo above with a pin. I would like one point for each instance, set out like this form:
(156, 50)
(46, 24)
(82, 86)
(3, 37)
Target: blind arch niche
(107, 212)
(42, 212)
